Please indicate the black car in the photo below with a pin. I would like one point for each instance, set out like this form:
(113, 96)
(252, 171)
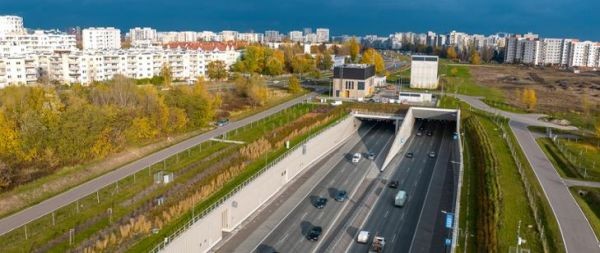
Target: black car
(341, 196)
(394, 184)
(421, 128)
(222, 122)
(320, 203)
(409, 155)
(371, 156)
(429, 133)
(314, 233)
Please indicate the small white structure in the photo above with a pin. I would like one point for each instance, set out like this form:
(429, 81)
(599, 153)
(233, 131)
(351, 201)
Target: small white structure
(414, 97)
(380, 81)
(424, 72)
(163, 177)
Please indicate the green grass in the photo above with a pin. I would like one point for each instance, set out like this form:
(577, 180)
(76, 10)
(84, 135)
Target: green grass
(395, 76)
(564, 166)
(254, 167)
(590, 205)
(41, 231)
(583, 154)
(504, 106)
(462, 82)
(513, 201)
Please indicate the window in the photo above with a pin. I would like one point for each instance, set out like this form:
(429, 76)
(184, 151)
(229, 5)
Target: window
(349, 85)
(361, 85)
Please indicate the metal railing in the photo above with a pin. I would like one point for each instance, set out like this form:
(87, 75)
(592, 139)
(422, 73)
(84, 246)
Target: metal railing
(222, 200)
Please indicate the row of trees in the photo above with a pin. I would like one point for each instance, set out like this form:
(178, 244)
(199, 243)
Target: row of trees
(44, 128)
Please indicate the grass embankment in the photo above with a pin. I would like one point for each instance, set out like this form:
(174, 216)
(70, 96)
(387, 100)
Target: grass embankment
(132, 195)
(251, 170)
(494, 198)
(458, 79)
(589, 201)
(66, 178)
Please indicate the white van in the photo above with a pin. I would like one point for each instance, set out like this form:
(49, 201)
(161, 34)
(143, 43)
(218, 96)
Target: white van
(400, 198)
(363, 237)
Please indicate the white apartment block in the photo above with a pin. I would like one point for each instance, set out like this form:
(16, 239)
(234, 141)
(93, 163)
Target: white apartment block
(249, 37)
(296, 36)
(552, 51)
(96, 38)
(38, 42)
(11, 25)
(532, 52)
(228, 35)
(322, 35)
(142, 34)
(584, 54)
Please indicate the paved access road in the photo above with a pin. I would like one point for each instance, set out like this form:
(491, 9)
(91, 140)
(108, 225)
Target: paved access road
(290, 234)
(47, 206)
(429, 182)
(576, 231)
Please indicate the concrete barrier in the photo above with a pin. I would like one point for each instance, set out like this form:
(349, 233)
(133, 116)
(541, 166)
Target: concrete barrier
(401, 137)
(207, 231)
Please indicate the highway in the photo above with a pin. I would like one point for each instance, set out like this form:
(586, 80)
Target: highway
(428, 185)
(290, 234)
(48, 206)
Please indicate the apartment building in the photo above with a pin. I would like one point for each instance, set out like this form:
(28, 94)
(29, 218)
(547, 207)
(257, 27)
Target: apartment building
(296, 36)
(142, 34)
(97, 38)
(322, 35)
(552, 51)
(39, 41)
(11, 25)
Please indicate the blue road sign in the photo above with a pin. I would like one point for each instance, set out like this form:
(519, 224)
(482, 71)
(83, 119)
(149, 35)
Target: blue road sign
(449, 220)
(448, 241)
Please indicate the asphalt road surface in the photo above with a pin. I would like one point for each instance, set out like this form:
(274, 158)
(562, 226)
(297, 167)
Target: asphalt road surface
(290, 234)
(48, 206)
(429, 183)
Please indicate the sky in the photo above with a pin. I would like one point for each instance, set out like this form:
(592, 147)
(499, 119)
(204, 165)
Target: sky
(549, 18)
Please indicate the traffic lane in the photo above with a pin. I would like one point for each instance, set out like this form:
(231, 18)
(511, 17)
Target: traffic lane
(422, 240)
(445, 205)
(385, 216)
(289, 228)
(307, 210)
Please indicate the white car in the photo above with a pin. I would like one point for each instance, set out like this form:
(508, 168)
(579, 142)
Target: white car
(363, 237)
(356, 157)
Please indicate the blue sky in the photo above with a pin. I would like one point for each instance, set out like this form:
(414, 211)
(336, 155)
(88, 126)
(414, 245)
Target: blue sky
(550, 18)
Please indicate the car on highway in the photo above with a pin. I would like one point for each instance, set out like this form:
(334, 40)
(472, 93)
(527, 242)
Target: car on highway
(363, 237)
(432, 154)
(222, 122)
(320, 202)
(421, 128)
(409, 155)
(455, 136)
(429, 133)
(314, 233)
(393, 184)
(371, 156)
(400, 198)
(356, 157)
(340, 196)
(419, 133)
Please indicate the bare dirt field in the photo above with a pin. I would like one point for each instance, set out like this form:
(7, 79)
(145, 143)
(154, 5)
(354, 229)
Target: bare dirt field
(558, 91)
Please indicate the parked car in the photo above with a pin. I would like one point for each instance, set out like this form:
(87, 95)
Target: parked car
(340, 196)
(320, 203)
(409, 155)
(393, 184)
(356, 157)
(314, 233)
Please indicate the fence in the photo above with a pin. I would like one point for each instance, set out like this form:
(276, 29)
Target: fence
(54, 227)
(576, 160)
(219, 202)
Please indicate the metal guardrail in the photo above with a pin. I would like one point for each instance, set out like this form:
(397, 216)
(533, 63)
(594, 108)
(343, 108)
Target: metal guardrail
(385, 114)
(219, 202)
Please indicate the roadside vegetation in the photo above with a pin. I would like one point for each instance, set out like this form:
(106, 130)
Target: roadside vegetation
(589, 201)
(500, 190)
(123, 213)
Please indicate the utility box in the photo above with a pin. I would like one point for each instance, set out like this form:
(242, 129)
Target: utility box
(163, 177)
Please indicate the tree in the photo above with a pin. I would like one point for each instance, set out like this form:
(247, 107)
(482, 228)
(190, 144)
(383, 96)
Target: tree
(475, 59)
(529, 98)
(216, 70)
(451, 53)
(166, 74)
(326, 62)
(294, 85)
(453, 71)
(141, 129)
(274, 66)
(371, 56)
(354, 49)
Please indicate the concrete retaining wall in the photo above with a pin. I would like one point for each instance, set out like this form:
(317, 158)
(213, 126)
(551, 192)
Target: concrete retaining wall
(402, 135)
(207, 231)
